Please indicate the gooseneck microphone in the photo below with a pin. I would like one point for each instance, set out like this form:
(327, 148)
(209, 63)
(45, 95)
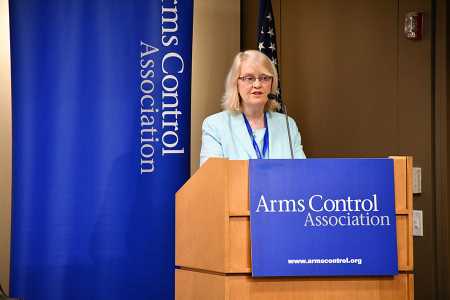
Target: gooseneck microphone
(284, 111)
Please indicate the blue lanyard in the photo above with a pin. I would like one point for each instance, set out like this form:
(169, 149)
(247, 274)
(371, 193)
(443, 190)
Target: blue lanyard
(252, 137)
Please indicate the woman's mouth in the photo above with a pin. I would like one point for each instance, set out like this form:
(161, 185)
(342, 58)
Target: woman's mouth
(257, 93)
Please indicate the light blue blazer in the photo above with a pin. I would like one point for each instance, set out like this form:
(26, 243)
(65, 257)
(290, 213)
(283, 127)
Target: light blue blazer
(225, 135)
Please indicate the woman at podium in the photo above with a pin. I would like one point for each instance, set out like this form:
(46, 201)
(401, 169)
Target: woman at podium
(249, 127)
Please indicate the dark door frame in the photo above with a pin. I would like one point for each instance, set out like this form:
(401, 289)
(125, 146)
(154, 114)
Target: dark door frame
(441, 124)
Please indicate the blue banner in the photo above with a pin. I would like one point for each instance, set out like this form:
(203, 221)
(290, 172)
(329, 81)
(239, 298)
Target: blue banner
(323, 217)
(101, 114)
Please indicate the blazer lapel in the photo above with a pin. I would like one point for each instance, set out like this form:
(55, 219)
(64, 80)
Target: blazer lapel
(278, 139)
(240, 135)
(272, 134)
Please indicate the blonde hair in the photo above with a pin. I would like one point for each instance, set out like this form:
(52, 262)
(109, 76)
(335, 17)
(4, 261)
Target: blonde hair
(231, 98)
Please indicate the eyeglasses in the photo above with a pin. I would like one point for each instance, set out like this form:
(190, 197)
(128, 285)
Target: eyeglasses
(250, 79)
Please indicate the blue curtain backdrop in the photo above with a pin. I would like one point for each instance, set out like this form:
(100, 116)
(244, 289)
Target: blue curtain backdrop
(101, 114)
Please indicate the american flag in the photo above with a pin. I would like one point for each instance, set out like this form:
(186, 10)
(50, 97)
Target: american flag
(267, 40)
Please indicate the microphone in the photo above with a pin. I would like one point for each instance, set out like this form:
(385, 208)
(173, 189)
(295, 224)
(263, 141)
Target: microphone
(272, 96)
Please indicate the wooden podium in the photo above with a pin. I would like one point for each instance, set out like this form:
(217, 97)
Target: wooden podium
(212, 244)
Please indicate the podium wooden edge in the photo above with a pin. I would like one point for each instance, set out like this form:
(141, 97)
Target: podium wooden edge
(211, 229)
(205, 286)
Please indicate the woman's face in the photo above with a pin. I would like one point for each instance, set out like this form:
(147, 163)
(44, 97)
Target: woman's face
(253, 86)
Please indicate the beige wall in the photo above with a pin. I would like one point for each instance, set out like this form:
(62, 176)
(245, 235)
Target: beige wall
(216, 40)
(5, 142)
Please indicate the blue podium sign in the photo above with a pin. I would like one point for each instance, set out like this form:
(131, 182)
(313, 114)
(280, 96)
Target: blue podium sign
(323, 217)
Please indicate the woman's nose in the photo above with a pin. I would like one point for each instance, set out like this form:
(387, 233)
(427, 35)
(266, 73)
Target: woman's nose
(257, 82)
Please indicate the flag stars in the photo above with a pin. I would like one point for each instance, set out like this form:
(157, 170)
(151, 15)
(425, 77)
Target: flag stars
(266, 39)
(261, 46)
(272, 47)
(262, 29)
